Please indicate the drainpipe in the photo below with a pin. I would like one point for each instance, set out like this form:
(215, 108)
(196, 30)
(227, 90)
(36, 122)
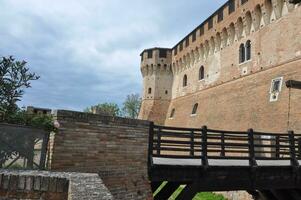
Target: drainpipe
(291, 84)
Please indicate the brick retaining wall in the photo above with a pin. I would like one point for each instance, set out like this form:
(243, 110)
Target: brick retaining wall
(115, 148)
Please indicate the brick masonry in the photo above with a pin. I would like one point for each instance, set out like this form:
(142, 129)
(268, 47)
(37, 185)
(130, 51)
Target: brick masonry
(46, 185)
(115, 148)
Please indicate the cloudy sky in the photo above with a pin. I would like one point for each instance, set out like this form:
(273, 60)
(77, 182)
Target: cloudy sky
(87, 51)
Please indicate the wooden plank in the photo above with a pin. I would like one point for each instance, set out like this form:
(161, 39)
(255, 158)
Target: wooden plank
(155, 185)
(188, 192)
(167, 191)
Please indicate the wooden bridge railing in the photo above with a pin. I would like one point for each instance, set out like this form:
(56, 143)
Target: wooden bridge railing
(204, 144)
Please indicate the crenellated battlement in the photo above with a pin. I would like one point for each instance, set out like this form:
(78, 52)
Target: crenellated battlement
(156, 61)
(226, 27)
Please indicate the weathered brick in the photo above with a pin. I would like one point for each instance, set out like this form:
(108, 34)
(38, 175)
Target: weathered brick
(13, 183)
(29, 183)
(21, 182)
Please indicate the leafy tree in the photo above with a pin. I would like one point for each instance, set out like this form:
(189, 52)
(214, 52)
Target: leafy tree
(131, 106)
(110, 109)
(14, 78)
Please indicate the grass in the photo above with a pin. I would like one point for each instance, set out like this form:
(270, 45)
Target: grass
(199, 196)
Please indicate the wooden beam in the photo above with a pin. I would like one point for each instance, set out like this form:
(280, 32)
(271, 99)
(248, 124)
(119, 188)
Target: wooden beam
(293, 84)
(188, 192)
(167, 191)
(155, 186)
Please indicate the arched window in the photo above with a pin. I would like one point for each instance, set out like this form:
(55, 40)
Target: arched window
(242, 53)
(185, 80)
(195, 109)
(201, 73)
(149, 90)
(172, 113)
(248, 50)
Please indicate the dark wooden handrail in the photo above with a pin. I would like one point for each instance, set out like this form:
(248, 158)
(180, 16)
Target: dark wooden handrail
(204, 144)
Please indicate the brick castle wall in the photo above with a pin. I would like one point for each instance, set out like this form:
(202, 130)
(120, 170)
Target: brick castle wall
(115, 148)
(244, 103)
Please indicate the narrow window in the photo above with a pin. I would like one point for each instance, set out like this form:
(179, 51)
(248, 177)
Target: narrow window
(149, 90)
(150, 54)
(202, 30)
(187, 42)
(201, 73)
(248, 50)
(193, 36)
(172, 113)
(243, 1)
(185, 80)
(162, 53)
(195, 109)
(220, 15)
(241, 53)
(141, 57)
(176, 50)
(231, 6)
(210, 23)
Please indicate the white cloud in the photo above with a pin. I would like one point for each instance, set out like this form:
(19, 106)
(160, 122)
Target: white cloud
(88, 51)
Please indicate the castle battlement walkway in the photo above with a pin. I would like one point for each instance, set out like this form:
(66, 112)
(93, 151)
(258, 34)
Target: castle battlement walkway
(264, 164)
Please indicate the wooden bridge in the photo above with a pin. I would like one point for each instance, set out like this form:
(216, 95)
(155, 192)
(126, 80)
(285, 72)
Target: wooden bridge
(264, 164)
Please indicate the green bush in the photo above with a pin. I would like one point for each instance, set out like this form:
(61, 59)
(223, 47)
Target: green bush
(34, 120)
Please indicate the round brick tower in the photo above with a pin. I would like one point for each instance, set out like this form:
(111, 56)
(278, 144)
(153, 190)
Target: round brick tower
(157, 84)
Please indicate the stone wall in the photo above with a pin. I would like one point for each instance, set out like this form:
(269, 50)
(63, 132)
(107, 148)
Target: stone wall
(115, 148)
(32, 185)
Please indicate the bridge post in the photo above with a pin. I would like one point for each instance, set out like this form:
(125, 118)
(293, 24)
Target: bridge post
(204, 147)
(192, 143)
(299, 148)
(294, 161)
(150, 145)
(277, 147)
(223, 153)
(252, 159)
(159, 141)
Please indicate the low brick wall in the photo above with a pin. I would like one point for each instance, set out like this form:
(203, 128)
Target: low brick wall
(33, 185)
(115, 148)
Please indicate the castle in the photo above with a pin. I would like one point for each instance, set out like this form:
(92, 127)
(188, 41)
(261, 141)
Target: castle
(229, 72)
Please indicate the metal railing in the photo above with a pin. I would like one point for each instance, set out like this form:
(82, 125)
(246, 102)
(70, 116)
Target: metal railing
(204, 144)
(22, 147)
